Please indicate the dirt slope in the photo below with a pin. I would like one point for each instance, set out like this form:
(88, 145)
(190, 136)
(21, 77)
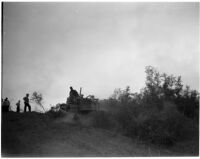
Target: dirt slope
(35, 135)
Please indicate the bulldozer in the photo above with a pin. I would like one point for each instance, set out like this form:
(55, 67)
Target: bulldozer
(81, 105)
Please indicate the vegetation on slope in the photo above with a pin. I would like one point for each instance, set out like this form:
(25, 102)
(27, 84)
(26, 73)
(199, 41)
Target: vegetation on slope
(163, 114)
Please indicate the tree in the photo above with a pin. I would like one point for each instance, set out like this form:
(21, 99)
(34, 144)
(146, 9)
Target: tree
(153, 81)
(162, 85)
(178, 86)
(37, 98)
(122, 96)
(125, 95)
(117, 92)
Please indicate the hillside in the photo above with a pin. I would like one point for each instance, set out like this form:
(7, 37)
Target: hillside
(36, 135)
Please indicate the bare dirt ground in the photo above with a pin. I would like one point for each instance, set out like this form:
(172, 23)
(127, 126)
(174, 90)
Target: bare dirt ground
(35, 135)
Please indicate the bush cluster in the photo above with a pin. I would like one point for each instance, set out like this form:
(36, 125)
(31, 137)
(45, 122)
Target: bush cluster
(163, 127)
(162, 113)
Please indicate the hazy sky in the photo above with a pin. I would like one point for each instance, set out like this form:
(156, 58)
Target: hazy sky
(48, 47)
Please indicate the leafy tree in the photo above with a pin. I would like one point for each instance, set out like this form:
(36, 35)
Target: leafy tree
(153, 81)
(37, 98)
(160, 87)
(178, 86)
(122, 96)
(117, 92)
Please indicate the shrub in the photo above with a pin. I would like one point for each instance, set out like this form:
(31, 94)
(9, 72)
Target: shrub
(157, 126)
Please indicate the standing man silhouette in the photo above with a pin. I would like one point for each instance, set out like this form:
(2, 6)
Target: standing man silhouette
(26, 103)
(6, 105)
(73, 95)
(18, 106)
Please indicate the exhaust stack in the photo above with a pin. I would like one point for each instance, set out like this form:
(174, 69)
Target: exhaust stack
(80, 91)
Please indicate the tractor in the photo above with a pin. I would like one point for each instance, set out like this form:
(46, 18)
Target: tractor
(81, 105)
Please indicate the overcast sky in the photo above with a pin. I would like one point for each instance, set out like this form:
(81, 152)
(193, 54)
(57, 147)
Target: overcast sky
(48, 47)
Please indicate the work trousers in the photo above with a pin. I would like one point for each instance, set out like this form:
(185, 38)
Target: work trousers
(27, 105)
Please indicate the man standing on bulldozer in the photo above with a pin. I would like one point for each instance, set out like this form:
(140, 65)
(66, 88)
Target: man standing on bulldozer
(74, 99)
(73, 96)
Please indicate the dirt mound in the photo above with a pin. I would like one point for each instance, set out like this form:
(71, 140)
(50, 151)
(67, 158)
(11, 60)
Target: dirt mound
(35, 135)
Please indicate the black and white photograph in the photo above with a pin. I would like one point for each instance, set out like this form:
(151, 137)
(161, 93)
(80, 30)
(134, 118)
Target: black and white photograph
(100, 79)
